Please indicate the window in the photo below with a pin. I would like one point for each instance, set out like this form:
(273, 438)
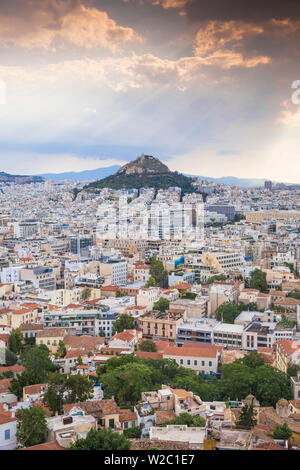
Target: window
(181, 361)
(188, 362)
(195, 363)
(7, 434)
(210, 364)
(203, 363)
(111, 423)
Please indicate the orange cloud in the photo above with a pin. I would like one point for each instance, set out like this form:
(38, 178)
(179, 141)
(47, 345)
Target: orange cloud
(69, 22)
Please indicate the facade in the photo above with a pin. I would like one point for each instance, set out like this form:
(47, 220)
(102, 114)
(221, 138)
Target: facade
(157, 325)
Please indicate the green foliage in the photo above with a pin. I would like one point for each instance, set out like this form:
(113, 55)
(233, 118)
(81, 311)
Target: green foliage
(102, 439)
(228, 311)
(162, 305)
(61, 350)
(189, 295)
(217, 277)
(15, 341)
(148, 346)
(10, 358)
(294, 295)
(53, 398)
(31, 426)
(133, 433)
(79, 388)
(246, 418)
(151, 282)
(259, 280)
(238, 217)
(86, 293)
(282, 432)
(144, 180)
(124, 322)
(186, 419)
(159, 274)
(38, 365)
(252, 360)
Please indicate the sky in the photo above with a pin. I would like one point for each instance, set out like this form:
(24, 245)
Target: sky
(204, 85)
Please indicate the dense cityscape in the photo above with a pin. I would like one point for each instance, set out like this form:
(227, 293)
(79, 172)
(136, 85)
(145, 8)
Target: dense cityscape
(156, 341)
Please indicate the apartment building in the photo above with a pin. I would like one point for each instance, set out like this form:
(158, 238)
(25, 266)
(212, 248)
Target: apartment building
(196, 331)
(160, 326)
(42, 277)
(223, 260)
(202, 358)
(228, 336)
(287, 352)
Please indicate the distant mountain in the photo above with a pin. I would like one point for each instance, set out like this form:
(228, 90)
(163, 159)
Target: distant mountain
(19, 179)
(233, 181)
(86, 175)
(144, 172)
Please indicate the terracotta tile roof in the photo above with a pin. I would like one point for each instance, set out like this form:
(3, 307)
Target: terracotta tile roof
(87, 342)
(149, 355)
(123, 336)
(51, 333)
(163, 416)
(16, 368)
(31, 326)
(288, 346)
(4, 384)
(33, 389)
(71, 353)
(127, 415)
(21, 311)
(205, 351)
(52, 445)
(96, 408)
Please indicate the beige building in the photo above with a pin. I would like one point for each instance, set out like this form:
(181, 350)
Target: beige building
(202, 358)
(158, 325)
(51, 338)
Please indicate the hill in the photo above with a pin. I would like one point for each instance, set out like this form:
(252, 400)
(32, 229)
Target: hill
(19, 179)
(144, 172)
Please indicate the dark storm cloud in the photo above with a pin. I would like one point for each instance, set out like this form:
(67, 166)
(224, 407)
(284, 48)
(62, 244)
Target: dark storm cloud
(246, 10)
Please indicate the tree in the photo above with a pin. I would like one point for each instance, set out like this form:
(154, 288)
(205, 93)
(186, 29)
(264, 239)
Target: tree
(133, 432)
(228, 311)
(36, 359)
(102, 439)
(252, 360)
(53, 397)
(158, 272)
(124, 322)
(79, 388)
(217, 277)
(282, 432)
(28, 377)
(15, 341)
(31, 426)
(10, 358)
(86, 293)
(151, 282)
(259, 280)
(162, 305)
(246, 418)
(127, 382)
(148, 346)
(188, 420)
(61, 350)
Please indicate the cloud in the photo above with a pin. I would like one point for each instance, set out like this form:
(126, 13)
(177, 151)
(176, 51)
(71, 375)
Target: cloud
(45, 23)
(290, 115)
(52, 163)
(219, 44)
(248, 10)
